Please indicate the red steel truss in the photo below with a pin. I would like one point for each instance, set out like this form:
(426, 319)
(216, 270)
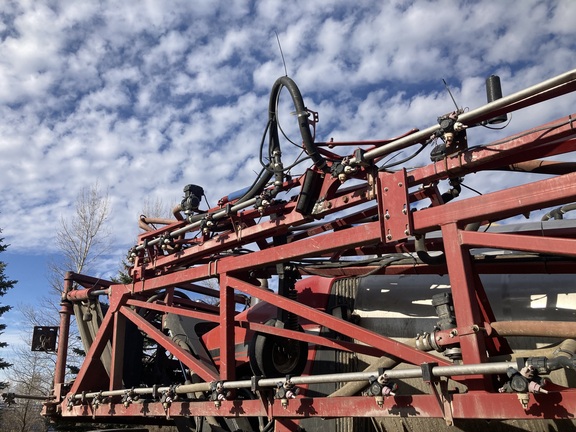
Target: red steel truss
(358, 210)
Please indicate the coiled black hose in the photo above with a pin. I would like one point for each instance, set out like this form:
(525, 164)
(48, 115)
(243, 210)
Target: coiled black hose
(275, 167)
(303, 124)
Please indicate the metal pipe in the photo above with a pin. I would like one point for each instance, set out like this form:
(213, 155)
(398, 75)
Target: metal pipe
(437, 371)
(96, 293)
(471, 116)
(561, 329)
(10, 396)
(144, 222)
(62, 353)
(220, 214)
(542, 167)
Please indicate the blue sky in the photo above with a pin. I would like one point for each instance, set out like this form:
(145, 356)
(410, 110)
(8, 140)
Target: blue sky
(145, 97)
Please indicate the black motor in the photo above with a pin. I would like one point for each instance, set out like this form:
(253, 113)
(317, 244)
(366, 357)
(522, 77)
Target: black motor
(192, 197)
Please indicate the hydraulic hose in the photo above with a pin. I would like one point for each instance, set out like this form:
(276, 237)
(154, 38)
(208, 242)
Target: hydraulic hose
(564, 356)
(424, 255)
(302, 115)
(275, 167)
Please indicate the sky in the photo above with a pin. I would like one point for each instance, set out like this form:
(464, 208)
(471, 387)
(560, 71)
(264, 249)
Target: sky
(143, 97)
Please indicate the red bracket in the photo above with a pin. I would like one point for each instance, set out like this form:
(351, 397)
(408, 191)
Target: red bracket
(393, 206)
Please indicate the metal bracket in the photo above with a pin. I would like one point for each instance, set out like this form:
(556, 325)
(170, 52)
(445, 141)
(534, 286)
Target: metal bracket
(394, 206)
(427, 374)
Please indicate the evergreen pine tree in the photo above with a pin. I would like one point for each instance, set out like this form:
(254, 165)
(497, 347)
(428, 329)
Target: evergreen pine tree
(5, 285)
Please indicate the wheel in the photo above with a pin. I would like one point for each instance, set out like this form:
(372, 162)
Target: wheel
(273, 356)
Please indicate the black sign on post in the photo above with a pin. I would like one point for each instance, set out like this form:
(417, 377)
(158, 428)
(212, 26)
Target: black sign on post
(44, 339)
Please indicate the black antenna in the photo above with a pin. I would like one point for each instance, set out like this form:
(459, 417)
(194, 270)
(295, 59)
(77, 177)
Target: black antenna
(450, 93)
(281, 52)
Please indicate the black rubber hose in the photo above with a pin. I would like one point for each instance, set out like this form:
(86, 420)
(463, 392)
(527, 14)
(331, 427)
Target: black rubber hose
(274, 152)
(257, 187)
(303, 125)
(422, 252)
(562, 362)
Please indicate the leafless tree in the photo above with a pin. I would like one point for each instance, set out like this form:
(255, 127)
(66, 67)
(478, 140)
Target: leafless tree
(28, 376)
(83, 238)
(156, 208)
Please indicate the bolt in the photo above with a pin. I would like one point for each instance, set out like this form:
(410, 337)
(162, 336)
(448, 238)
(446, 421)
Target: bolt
(399, 184)
(387, 215)
(385, 189)
(389, 237)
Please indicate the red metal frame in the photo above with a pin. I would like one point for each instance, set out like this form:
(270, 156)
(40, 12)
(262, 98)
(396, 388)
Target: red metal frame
(389, 199)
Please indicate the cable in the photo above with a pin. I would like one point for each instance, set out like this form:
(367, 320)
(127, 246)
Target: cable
(472, 189)
(498, 128)
(526, 133)
(412, 156)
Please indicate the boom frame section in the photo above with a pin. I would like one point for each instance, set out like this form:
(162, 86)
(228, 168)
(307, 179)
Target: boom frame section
(362, 211)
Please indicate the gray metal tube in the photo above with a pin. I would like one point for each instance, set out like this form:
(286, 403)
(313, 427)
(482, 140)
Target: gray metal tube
(469, 117)
(438, 371)
(216, 216)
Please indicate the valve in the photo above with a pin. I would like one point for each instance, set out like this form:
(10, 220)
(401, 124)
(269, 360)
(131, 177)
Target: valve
(446, 324)
(524, 381)
(286, 390)
(380, 387)
(218, 393)
(206, 224)
(263, 201)
(168, 397)
(128, 397)
(71, 402)
(447, 321)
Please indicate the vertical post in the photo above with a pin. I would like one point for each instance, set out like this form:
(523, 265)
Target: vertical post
(495, 344)
(117, 361)
(62, 354)
(466, 309)
(227, 345)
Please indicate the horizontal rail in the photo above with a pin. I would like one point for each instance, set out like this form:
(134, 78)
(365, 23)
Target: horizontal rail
(437, 371)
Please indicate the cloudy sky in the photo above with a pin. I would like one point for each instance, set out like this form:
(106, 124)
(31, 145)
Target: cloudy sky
(146, 96)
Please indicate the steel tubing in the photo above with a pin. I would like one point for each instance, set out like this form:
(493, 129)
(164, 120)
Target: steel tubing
(220, 214)
(561, 329)
(469, 117)
(437, 371)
